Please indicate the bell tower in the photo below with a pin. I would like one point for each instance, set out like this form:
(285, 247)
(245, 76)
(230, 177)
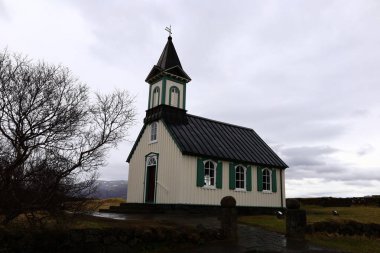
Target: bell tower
(167, 80)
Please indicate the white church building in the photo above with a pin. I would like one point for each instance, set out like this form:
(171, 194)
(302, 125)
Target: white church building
(179, 158)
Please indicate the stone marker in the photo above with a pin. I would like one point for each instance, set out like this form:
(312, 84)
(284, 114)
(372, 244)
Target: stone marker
(295, 226)
(295, 220)
(229, 218)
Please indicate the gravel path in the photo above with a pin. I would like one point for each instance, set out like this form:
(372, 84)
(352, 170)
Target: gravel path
(251, 239)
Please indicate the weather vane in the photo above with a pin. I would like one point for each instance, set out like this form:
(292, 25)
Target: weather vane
(169, 30)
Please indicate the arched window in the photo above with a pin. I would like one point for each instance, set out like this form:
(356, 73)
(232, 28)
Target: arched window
(240, 177)
(209, 173)
(174, 96)
(266, 180)
(209, 167)
(153, 132)
(156, 96)
(151, 161)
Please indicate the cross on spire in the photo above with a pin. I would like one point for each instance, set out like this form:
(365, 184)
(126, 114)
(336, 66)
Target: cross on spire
(169, 30)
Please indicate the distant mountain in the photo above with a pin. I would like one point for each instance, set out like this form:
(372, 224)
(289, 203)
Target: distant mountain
(111, 189)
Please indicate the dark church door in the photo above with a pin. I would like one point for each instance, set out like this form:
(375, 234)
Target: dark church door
(150, 184)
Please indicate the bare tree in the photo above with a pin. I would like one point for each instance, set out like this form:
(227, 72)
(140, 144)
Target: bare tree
(53, 136)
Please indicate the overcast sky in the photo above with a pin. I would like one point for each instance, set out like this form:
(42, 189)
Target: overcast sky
(303, 74)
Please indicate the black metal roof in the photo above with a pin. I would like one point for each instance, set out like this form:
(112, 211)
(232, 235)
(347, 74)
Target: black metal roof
(199, 136)
(204, 137)
(168, 64)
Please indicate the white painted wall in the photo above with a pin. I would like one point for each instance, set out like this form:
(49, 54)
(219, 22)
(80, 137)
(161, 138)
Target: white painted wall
(191, 194)
(169, 160)
(177, 173)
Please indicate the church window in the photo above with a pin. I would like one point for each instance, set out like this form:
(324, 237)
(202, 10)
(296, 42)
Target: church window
(209, 179)
(156, 96)
(266, 180)
(153, 132)
(152, 161)
(174, 96)
(209, 173)
(240, 177)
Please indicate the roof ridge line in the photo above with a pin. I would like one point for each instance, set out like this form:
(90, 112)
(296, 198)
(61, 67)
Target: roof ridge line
(220, 122)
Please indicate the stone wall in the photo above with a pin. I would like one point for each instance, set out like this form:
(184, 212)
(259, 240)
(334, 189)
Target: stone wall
(341, 202)
(348, 227)
(103, 240)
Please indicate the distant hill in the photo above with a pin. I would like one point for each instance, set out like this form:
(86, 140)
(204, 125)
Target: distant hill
(111, 189)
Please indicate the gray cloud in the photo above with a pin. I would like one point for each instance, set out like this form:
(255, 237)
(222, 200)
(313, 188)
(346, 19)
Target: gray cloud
(317, 162)
(365, 150)
(309, 151)
(3, 11)
(360, 113)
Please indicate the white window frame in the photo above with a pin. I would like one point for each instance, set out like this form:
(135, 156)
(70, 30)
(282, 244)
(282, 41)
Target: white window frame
(175, 101)
(210, 186)
(151, 158)
(269, 180)
(157, 91)
(153, 132)
(244, 179)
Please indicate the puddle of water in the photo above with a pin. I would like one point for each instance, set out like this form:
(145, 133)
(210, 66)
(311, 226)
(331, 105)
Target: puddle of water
(115, 216)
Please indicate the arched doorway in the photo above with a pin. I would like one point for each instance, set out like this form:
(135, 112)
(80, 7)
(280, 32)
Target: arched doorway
(150, 178)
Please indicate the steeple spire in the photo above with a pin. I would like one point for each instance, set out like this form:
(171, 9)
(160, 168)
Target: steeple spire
(169, 57)
(168, 65)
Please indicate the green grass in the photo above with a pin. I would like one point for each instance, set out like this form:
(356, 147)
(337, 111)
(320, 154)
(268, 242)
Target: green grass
(363, 214)
(94, 204)
(78, 221)
(354, 244)
(268, 222)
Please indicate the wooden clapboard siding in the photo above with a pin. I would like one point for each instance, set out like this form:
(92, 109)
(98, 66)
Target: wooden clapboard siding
(177, 174)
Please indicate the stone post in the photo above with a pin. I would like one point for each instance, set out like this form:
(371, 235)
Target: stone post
(295, 224)
(229, 218)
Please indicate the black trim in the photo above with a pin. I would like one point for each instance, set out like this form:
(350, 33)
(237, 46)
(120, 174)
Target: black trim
(186, 209)
(169, 113)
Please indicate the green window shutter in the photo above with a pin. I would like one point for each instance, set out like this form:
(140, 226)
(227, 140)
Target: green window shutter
(232, 176)
(259, 179)
(219, 175)
(274, 181)
(200, 173)
(249, 178)
(150, 94)
(163, 90)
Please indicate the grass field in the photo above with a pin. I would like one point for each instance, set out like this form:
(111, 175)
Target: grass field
(97, 204)
(359, 244)
(73, 220)
(363, 214)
